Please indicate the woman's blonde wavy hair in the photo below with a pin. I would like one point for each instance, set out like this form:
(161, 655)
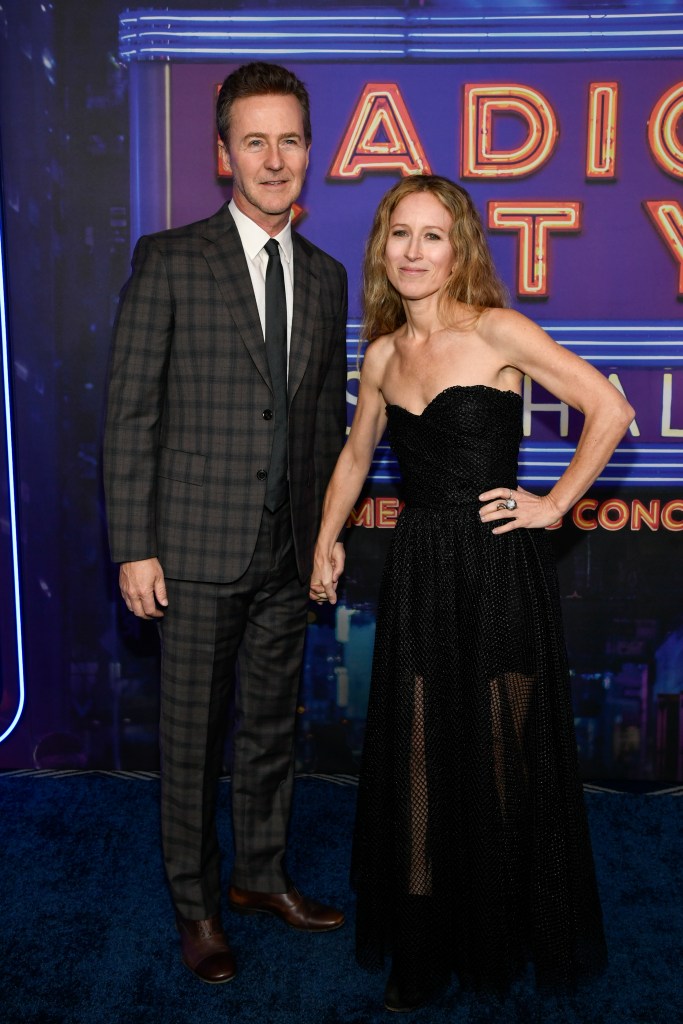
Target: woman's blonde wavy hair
(473, 282)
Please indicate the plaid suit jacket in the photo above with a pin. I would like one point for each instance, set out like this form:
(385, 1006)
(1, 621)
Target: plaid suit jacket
(186, 441)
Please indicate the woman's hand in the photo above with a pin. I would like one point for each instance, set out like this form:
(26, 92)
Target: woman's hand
(521, 508)
(327, 568)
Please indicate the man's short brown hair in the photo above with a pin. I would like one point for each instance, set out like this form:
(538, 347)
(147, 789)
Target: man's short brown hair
(260, 79)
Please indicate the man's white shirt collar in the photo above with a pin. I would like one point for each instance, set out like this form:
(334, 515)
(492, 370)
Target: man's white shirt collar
(254, 238)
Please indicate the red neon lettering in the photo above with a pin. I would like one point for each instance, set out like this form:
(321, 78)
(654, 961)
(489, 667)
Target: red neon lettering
(363, 515)
(578, 517)
(668, 520)
(602, 130)
(640, 514)
(479, 156)
(662, 131)
(533, 221)
(387, 513)
(667, 217)
(614, 505)
(380, 136)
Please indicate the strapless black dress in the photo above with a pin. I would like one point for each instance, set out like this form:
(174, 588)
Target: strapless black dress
(471, 848)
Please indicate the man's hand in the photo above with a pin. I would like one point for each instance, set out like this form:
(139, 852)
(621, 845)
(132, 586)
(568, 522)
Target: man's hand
(143, 588)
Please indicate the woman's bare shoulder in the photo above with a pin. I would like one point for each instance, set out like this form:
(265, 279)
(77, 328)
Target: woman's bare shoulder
(377, 354)
(495, 322)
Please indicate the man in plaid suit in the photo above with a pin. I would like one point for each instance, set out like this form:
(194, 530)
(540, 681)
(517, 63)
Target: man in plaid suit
(187, 456)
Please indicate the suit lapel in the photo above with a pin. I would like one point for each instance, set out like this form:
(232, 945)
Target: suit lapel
(225, 257)
(228, 264)
(305, 304)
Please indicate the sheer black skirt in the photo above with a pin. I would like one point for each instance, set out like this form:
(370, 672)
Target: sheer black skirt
(471, 849)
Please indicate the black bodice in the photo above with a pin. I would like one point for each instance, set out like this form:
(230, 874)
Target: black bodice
(464, 442)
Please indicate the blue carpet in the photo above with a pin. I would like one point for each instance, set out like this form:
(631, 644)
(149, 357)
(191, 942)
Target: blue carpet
(88, 937)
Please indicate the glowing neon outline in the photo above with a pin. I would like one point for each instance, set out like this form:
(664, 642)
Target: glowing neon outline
(664, 145)
(350, 163)
(12, 497)
(255, 50)
(601, 148)
(480, 103)
(412, 33)
(667, 217)
(534, 220)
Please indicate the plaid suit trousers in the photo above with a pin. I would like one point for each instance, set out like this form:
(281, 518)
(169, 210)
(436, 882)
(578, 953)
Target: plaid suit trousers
(257, 624)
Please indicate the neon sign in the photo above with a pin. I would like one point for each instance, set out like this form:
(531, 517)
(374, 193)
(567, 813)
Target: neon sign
(380, 136)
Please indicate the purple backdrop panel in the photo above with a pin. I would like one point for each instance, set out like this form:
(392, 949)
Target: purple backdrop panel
(616, 266)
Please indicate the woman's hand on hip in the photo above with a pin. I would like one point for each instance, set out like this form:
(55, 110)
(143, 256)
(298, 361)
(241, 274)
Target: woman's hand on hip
(519, 508)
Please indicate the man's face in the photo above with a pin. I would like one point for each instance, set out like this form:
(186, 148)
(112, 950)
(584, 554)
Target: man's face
(267, 156)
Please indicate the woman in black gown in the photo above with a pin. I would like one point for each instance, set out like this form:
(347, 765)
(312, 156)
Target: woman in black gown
(471, 848)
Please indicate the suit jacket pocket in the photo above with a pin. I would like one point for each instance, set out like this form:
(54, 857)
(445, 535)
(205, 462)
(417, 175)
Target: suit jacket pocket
(187, 467)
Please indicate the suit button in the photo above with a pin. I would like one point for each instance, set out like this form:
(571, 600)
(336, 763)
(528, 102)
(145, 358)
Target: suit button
(261, 475)
(267, 414)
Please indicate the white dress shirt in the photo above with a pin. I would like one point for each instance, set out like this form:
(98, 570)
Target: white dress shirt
(253, 239)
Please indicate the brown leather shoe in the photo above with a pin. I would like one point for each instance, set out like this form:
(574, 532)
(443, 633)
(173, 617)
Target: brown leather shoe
(205, 949)
(291, 907)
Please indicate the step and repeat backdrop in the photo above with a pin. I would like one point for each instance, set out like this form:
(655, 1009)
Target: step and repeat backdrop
(568, 132)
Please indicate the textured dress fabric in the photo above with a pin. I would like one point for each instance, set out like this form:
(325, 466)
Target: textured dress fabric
(471, 849)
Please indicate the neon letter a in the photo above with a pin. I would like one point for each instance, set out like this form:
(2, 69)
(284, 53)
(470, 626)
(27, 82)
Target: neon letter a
(380, 136)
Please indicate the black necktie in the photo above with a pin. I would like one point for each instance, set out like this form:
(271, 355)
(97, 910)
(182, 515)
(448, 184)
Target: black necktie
(276, 350)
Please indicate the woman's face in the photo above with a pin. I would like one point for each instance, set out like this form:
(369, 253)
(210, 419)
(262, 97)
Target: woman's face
(418, 254)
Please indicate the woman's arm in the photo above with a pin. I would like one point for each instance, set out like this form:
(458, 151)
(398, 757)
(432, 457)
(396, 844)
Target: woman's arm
(349, 475)
(607, 414)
